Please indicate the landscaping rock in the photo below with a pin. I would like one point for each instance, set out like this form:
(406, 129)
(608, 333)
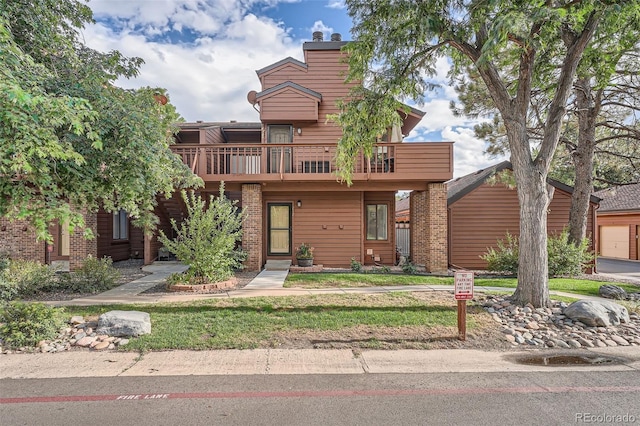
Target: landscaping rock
(597, 313)
(610, 291)
(124, 323)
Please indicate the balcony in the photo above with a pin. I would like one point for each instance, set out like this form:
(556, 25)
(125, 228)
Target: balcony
(409, 161)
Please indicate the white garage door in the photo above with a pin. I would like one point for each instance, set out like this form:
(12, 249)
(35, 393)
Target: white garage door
(614, 241)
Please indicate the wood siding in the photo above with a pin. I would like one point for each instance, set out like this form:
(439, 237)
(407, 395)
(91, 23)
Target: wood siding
(107, 246)
(386, 249)
(291, 104)
(334, 224)
(629, 219)
(481, 218)
(325, 75)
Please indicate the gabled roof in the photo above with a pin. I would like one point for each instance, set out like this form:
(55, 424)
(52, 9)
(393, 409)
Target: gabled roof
(620, 198)
(288, 60)
(292, 85)
(459, 187)
(403, 204)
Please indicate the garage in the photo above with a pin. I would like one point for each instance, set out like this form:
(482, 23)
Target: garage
(614, 241)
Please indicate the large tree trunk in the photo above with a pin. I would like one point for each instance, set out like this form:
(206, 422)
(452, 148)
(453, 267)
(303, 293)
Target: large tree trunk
(533, 267)
(583, 161)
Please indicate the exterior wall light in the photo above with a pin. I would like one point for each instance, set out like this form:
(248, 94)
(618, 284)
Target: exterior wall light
(299, 203)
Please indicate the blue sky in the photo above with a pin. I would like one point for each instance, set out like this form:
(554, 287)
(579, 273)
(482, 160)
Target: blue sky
(205, 53)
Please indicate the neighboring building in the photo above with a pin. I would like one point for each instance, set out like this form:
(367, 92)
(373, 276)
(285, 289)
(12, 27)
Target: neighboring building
(619, 222)
(480, 214)
(281, 171)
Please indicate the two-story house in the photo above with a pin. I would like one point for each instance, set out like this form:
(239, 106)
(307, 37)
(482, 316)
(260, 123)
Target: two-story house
(281, 170)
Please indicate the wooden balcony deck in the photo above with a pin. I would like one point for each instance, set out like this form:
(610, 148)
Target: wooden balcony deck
(408, 161)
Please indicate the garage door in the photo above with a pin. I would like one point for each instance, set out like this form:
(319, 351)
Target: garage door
(614, 241)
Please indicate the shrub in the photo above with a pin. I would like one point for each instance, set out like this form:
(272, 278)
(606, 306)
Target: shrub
(565, 258)
(355, 265)
(29, 277)
(408, 267)
(505, 257)
(206, 240)
(95, 275)
(25, 324)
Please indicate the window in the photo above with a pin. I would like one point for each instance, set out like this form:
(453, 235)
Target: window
(280, 133)
(120, 225)
(376, 221)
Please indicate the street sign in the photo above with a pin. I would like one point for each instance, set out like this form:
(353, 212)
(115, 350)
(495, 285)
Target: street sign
(463, 285)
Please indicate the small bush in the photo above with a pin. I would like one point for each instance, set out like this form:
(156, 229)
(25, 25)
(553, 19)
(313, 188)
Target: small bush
(25, 324)
(408, 267)
(28, 277)
(565, 258)
(207, 239)
(95, 275)
(355, 265)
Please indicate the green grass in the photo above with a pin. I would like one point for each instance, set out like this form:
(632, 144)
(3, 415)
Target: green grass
(260, 322)
(334, 280)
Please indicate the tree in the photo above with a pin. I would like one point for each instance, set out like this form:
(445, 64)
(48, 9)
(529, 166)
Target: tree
(398, 43)
(69, 138)
(601, 134)
(206, 240)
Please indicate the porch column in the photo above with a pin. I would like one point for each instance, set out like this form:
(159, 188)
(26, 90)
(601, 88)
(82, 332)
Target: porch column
(429, 228)
(252, 226)
(80, 247)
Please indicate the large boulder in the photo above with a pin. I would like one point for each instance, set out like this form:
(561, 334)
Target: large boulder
(609, 291)
(597, 313)
(124, 323)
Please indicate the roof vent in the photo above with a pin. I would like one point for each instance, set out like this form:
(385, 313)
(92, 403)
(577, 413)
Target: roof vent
(233, 121)
(336, 37)
(199, 121)
(317, 36)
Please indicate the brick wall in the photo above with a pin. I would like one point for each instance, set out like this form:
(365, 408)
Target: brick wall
(18, 240)
(80, 247)
(429, 228)
(252, 226)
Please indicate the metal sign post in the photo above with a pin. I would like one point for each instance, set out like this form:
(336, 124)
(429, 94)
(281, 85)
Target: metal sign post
(463, 291)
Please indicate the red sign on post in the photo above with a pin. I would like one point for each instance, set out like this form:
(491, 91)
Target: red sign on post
(463, 285)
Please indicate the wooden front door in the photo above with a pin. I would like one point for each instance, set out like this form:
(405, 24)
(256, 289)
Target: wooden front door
(279, 232)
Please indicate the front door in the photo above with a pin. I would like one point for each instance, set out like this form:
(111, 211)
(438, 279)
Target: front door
(279, 232)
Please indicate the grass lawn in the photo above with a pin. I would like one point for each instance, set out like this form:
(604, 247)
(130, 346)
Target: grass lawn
(410, 320)
(331, 280)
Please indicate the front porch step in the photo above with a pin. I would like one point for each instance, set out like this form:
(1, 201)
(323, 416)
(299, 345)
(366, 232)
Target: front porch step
(277, 265)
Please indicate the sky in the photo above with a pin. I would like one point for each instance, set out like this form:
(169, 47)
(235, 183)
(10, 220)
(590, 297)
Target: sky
(206, 52)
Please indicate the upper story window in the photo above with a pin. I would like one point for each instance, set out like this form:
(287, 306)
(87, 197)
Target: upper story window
(279, 133)
(377, 221)
(120, 225)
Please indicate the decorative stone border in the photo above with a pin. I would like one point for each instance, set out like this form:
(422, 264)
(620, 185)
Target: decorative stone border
(230, 283)
(314, 268)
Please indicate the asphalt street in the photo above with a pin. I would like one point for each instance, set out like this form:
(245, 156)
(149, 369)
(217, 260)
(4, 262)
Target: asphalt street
(553, 397)
(629, 269)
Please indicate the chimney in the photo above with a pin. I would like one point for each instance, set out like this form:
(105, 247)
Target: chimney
(336, 37)
(317, 36)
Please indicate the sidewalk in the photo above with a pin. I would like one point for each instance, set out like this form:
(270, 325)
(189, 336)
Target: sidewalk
(293, 361)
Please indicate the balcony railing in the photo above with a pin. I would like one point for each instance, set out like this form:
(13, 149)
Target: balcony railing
(307, 161)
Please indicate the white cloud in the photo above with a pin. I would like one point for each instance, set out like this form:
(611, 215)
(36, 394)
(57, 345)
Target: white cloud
(336, 4)
(320, 26)
(467, 151)
(209, 78)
